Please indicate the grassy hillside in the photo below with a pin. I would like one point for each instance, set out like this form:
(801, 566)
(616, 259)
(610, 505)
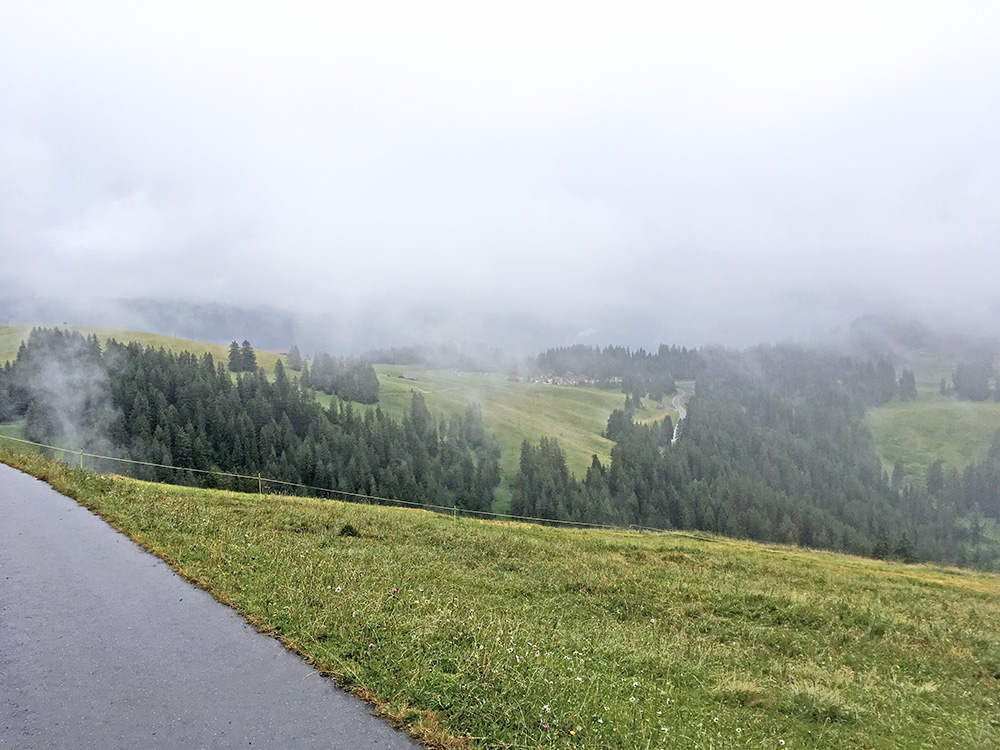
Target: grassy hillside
(576, 417)
(490, 635)
(11, 337)
(514, 411)
(934, 426)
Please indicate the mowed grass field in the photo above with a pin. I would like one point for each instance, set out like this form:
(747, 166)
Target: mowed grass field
(11, 337)
(575, 416)
(490, 635)
(934, 426)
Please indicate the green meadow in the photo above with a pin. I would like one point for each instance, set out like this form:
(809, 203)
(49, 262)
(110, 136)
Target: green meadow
(933, 427)
(12, 430)
(515, 411)
(475, 634)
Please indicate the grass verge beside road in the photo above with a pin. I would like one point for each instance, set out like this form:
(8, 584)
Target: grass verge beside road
(479, 634)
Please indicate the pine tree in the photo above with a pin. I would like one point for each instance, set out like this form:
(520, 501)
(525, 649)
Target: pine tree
(248, 357)
(235, 358)
(897, 476)
(904, 550)
(907, 386)
(935, 477)
(619, 424)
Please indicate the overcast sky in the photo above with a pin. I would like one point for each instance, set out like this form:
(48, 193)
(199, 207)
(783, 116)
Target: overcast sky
(690, 172)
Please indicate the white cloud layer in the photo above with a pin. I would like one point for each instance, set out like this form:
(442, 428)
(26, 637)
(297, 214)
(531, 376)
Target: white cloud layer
(705, 171)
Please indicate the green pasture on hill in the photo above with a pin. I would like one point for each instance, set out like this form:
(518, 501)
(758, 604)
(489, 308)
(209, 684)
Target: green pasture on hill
(515, 411)
(476, 634)
(933, 427)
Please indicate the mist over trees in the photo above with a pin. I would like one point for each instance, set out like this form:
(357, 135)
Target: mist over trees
(56, 385)
(465, 358)
(972, 379)
(773, 447)
(634, 372)
(348, 378)
(187, 411)
(907, 386)
(294, 359)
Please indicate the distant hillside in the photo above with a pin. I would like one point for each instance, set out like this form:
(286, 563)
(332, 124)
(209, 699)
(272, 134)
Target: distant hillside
(515, 411)
(216, 322)
(12, 335)
(773, 447)
(905, 339)
(934, 426)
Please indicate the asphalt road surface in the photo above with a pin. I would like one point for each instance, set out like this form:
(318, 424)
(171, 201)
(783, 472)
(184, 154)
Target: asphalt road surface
(103, 646)
(682, 392)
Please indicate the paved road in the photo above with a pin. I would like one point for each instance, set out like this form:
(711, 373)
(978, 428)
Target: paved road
(103, 646)
(682, 392)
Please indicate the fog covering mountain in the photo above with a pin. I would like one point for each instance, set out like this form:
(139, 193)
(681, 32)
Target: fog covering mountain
(773, 447)
(520, 175)
(277, 328)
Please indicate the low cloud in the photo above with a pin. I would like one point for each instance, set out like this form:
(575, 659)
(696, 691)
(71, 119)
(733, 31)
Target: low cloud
(681, 176)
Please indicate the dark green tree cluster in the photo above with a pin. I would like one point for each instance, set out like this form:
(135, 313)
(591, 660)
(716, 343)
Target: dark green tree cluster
(182, 410)
(55, 385)
(294, 359)
(972, 379)
(639, 372)
(621, 423)
(907, 386)
(543, 485)
(242, 358)
(347, 378)
(773, 449)
(972, 498)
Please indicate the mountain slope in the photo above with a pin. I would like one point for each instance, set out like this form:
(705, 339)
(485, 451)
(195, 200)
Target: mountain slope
(11, 337)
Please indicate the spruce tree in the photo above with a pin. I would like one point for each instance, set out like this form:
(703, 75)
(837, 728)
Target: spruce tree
(235, 358)
(907, 386)
(248, 357)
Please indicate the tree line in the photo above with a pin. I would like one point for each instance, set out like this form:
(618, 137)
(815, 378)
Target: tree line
(345, 377)
(636, 372)
(773, 449)
(182, 410)
(971, 380)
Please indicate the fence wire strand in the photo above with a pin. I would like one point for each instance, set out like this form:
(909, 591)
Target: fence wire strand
(344, 493)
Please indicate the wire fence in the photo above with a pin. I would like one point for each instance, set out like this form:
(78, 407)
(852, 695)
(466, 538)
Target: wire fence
(357, 497)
